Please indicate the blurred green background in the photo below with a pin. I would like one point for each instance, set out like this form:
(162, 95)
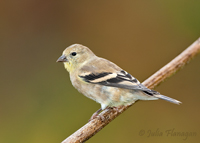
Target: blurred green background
(37, 101)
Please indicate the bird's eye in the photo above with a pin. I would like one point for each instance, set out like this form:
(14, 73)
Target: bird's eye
(73, 53)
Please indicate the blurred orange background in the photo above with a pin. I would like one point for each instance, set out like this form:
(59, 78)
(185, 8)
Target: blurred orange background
(38, 104)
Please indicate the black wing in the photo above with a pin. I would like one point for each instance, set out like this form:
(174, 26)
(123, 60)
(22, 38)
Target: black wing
(121, 79)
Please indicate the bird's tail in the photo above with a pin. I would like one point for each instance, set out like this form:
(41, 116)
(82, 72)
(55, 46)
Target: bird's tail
(167, 99)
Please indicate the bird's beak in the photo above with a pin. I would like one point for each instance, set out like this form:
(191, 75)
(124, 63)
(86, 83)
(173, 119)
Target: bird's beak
(62, 59)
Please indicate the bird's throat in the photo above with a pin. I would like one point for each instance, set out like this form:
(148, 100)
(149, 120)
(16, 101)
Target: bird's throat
(68, 66)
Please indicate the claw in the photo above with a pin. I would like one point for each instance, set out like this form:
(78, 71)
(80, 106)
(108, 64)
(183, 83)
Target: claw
(96, 115)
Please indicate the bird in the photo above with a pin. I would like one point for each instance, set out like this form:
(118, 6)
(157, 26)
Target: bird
(103, 81)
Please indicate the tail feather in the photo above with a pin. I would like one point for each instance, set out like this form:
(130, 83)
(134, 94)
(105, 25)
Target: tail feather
(168, 99)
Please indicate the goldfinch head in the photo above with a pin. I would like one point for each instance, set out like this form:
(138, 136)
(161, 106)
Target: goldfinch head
(74, 56)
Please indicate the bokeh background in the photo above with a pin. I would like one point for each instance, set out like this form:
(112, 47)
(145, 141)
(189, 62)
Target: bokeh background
(37, 101)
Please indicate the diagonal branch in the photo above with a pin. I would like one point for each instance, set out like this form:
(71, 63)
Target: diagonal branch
(94, 126)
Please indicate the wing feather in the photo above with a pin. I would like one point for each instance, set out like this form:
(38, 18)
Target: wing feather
(121, 79)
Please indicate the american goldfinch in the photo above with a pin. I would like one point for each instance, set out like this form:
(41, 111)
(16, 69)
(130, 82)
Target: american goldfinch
(103, 81)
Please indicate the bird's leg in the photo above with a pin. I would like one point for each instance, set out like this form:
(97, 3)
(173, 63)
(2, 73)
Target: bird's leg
(96, 114)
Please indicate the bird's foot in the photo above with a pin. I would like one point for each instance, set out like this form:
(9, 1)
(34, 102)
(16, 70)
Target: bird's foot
(115, 108)
(96, 115)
